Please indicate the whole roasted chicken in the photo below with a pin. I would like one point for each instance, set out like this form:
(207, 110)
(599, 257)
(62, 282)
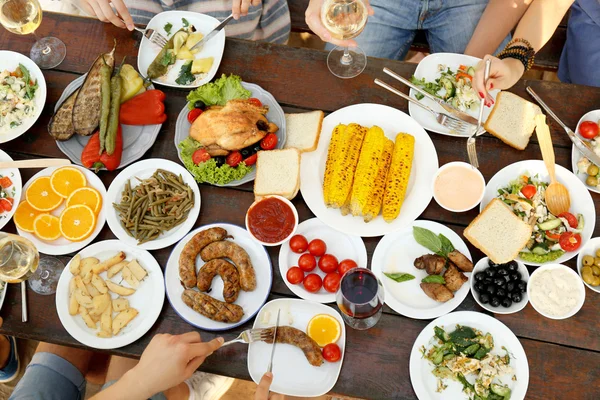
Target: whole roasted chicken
(238, 124)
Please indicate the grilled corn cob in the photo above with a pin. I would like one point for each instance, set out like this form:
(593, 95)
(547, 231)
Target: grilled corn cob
(367, 170)
(398, 176)
(376, 198)
(332, 155)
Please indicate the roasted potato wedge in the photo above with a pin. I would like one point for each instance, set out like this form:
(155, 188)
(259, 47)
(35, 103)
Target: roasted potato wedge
(129, 278)
(99, 284)
(75, 265)
(120, 304)
(106, 264)
(73, 304)
(87, 264)
(72, 285)
(86, 318)
(92, 290)
(115, 269)
(100, 303)
(122, 319)
(83, 298)
(104, 335)
(87, 278)
(106, 319)
(118, 289)
(80, 285)
(137, 270)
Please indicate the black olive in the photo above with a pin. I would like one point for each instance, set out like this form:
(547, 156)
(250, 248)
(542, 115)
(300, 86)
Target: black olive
(199, 104)
(518, 275)
(220, 160)
(256, 147)
(522, 286)
(492, 264)
(510, 286)
(262, 125)
(479, 286)
(495, 302)
(506, 302)
(479, 276)
(513, 266)
(491, 289)
(246, 152)
(502, 271)
(490, 272)
(501, 293)
(516, 297)
(499, 281)
(484, 298)
(487, 281)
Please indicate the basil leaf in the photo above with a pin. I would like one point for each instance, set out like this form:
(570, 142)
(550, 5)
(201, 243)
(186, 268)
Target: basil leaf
(185, 22)
(447, 246)
(399, 276)
(168, 27)
(427, 239)
(434, 279)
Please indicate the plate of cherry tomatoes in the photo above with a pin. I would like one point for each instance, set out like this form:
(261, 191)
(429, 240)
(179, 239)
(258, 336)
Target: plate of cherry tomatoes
(313, 261)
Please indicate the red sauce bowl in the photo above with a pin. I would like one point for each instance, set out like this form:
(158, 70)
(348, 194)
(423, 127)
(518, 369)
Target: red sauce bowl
(272, 220)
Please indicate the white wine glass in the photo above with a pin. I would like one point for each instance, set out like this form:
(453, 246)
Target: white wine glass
(24, 17)
(345, 19)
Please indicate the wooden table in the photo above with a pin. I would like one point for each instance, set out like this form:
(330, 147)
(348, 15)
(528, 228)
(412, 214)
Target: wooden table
(563, 356)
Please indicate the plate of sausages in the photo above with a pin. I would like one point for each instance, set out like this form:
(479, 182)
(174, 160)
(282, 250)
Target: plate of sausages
(218, 277)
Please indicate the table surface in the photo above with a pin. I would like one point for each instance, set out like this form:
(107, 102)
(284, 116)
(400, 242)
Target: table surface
(563, 355)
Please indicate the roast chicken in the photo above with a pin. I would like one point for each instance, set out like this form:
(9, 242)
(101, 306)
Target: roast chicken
(238, 124)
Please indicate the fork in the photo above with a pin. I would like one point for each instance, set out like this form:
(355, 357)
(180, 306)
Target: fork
(471, 148)
(250, 336)
(455, 125)
(152, 35)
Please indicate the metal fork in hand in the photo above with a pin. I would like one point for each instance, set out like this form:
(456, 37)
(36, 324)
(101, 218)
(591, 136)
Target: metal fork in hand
(250, 336)
(152, 35)
(455, 125)
(471, 148)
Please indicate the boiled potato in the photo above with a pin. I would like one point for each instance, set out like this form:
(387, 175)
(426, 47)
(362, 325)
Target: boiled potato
(118, 289)
(106, 264)
(179, 40)
(122, 319)
(84, 299)
(99, 284)
(192, 40)
(100, 303)
(75, 265)
(106, 319)
(92, 290)
(115, 269)
(202, 65)
(73, 304)
(120, 304)
(129, 278)
(185, 54)
(137, 270)
(87, 264)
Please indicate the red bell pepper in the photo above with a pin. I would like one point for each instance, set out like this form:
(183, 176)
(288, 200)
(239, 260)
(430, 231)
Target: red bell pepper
(147, 108)
(92, 159)
(463, 75)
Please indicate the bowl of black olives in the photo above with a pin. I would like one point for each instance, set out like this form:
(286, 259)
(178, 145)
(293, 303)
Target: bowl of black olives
(500, 288)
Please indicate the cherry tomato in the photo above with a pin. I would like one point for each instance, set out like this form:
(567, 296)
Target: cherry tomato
(307, 262)
(255, 101)
(234, 158)
(570, 241)
(200, 156)
(327, 263)
(331, 283)
(346, 265)
(6, 205)
(5, 182)
(571, 219)
(317, 247)
(269, 142)
(298, 244)
(553, 236)
(193, 114)
(588, 129)
(295, 275)
(332, 352)
(312, 283)
(251, 160)
(528, 191)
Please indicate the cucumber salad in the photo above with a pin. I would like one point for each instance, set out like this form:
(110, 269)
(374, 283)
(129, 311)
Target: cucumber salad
(552, 235)
(454, 87)
(17, 90)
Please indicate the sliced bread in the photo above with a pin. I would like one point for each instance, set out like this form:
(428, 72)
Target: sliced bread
(303, 130)
(512, 120)
(498, 232)
(277, 172)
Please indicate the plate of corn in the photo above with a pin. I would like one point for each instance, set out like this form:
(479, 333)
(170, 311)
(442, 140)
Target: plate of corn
(371, 173)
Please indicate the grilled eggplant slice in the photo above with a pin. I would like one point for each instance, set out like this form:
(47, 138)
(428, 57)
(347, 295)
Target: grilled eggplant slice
(61, 124)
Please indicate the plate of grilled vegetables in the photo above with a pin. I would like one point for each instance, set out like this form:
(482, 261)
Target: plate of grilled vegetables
(371, 172)
(424, 269)
(218, 277)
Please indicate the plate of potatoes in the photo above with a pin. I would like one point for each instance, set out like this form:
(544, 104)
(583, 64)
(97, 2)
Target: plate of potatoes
(110, 294)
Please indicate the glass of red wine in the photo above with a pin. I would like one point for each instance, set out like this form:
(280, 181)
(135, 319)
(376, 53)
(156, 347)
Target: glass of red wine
(360, 298)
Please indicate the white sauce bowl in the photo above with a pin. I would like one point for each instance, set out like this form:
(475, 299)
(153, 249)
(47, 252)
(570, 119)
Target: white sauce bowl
(579, 284)
(463, 165)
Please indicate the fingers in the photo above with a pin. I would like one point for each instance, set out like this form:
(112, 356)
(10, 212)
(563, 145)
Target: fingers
(190, 337)
(262, 391)
(478, 81)
(256, 2)
(236, 9)
(98, 11)
(369, 8)
(314, 22)
(110, 14)
(87, 8)
(245, 6)
(205, 349)
(193, 365)
(124, 13)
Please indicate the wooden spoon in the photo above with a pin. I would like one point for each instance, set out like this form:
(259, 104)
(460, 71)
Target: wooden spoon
(557, 195)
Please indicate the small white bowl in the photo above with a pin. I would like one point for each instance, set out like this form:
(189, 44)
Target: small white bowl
(570, 271)
(294, 211)
(463, 164)
(515, 307)
(589, 249)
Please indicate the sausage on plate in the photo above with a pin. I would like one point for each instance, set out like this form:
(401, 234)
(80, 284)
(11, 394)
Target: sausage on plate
(239, 257)
(227, 272)
(187, 259)
(295, 337)
(211, 307)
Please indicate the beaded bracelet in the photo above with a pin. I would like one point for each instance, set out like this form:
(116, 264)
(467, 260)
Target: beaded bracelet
(525, 54)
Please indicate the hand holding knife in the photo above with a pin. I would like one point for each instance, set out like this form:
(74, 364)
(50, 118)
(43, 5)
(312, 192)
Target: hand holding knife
(270, 367)
(212, 33)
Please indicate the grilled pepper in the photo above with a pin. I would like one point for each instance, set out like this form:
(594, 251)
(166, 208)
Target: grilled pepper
(147, 108)
(91, 159)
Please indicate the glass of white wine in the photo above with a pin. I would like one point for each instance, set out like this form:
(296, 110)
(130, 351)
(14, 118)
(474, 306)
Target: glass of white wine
(24, 17)
(345, 19)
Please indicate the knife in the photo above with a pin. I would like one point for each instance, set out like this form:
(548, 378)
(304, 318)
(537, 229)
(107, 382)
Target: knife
(270, 367)
(212, 33)
(583, 146)
(453, 111)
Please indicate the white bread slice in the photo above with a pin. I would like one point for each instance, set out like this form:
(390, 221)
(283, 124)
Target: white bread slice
(277, 172)
(303, 130)
(498, 232)
(512, 120)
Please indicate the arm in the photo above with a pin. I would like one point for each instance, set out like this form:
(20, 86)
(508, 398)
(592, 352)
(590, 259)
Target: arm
(102, 10)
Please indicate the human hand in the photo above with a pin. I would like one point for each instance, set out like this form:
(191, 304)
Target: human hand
(503, 75)
(104, 12)
(240, 7)
(262, 391)
(313, 20)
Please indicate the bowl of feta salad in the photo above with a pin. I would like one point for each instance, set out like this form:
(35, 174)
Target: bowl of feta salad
(555, 238)
(22, 94)
(588, 129)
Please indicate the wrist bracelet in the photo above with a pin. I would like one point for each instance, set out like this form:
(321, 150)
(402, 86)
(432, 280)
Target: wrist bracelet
(522, 52)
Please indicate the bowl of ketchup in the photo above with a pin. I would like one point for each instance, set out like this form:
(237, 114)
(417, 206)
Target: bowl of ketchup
(272, 220)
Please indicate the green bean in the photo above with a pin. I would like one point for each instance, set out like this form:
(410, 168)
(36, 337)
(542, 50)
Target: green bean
(105, 91)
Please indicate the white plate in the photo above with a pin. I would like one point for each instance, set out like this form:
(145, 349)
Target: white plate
(593, 116)
(251, 302)
(392, 121)
(10, 60)
(341, 245)
(275, 115)
(581, 200)
(142, 170)
(136, 139)
(148, 298)
(292, 374)
(203, 23)
(396, 252)
(428, 69)
(588, 250)
(15, 177)
(568, 270)
(425, 383)
(61, 245)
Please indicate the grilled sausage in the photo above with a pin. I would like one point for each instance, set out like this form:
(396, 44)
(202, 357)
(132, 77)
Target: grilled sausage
(212, 308)
(187, 259)
(295, 337)
(241, 259)
(227, 272)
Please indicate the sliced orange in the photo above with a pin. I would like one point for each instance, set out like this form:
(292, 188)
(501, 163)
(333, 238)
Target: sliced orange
(87, 196)
(324, 329)
(40, 195)
(46, 227)
(24, 216)
(66, 180)
(77, 222)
